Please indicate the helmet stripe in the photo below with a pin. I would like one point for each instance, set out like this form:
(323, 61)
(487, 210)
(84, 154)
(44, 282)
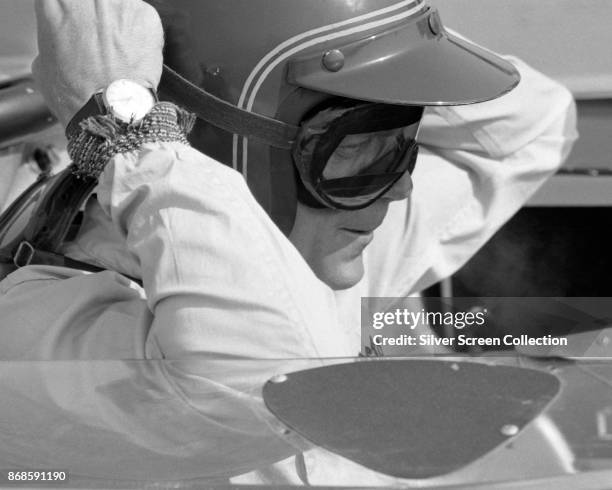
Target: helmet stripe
(300, 38)
(311, 38)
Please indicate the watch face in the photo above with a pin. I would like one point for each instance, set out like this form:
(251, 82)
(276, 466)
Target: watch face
(128, 101)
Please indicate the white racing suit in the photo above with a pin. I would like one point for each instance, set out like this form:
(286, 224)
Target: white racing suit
(221, 282)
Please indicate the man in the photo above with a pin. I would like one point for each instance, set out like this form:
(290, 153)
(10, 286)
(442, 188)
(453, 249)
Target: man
(220, 279)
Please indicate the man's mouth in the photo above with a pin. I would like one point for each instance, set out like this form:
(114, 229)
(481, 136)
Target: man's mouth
(358, 232)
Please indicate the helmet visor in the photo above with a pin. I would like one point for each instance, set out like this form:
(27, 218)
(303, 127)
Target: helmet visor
(347, 158)
(416, 62)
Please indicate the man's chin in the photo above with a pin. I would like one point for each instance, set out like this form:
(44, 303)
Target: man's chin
(343, 277)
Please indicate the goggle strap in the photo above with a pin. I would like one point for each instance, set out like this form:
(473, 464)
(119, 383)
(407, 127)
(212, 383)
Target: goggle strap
(224, 115)
(375, 117)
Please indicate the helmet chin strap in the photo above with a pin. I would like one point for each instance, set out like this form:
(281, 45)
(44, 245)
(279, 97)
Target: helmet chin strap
(224, 115)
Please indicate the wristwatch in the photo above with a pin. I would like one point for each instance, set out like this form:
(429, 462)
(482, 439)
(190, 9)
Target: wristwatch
(126, 100)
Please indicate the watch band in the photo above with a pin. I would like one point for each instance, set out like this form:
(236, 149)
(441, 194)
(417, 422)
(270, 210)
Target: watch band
(93, 107)
(91, 149)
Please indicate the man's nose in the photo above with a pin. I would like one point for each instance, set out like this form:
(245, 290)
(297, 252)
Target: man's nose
(401, 189)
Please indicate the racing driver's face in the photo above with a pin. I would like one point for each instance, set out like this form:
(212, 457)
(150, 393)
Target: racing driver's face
(333, 241)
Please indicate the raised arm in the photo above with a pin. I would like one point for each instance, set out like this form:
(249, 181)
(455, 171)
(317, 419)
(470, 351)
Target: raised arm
(480, 163)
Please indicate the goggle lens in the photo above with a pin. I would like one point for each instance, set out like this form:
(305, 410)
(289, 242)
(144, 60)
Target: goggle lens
(360, 190)
(350, 157)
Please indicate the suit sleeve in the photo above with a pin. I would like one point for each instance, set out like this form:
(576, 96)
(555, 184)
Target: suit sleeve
(478, 165)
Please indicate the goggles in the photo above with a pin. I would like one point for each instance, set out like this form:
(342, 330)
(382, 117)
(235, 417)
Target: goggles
(349, 157)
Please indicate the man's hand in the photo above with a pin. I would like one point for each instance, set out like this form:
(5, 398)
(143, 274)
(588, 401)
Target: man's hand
(84, 45)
